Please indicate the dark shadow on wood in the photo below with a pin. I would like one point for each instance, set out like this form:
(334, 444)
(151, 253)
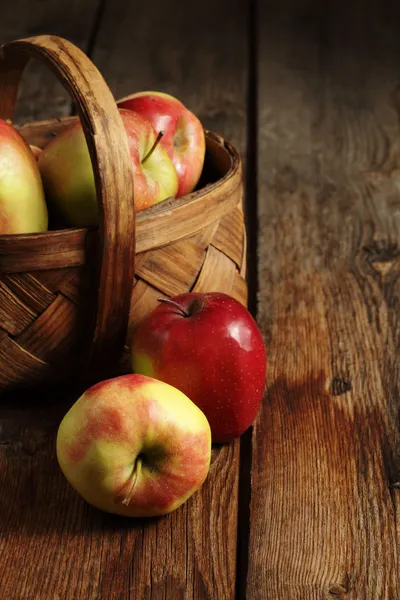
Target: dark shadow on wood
(98, 18)
(324, 455)
(91, 43)
(252, 279)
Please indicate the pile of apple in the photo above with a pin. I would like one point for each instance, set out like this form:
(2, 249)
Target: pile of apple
(140, 444)
(167, 148)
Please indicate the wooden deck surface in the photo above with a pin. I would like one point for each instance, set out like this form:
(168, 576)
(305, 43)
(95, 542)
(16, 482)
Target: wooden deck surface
(306, 506)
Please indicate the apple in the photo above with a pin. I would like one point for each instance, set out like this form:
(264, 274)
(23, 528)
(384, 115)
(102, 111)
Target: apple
(134, 446)
(209, 346)
(36, 150)
(183, 134)
(23, 206)
(68, 178)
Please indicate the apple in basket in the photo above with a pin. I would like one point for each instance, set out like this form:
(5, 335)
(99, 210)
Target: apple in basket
(134, 446)
(23, 206)
(36, 150)
(209, 346)
(183, 134)
(68, 178)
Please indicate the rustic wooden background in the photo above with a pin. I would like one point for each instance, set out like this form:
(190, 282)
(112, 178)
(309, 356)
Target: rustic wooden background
(306, 506)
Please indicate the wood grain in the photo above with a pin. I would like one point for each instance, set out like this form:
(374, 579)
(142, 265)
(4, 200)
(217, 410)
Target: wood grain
(70, 551)
(216, 264)
(46, 251)
(229, 236)
(41, 95)
(172, 269)
(28, 289)
(326, 448)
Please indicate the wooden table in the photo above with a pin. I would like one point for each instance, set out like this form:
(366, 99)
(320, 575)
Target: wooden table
(306, 505)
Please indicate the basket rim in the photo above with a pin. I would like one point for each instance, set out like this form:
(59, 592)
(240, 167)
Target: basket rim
(8, 241)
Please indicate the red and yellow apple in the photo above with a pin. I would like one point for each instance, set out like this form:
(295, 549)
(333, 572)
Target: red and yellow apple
(68, 178)
(209, 346)
(134, 446)
(183, 134)
(23, 206)
(36, 150)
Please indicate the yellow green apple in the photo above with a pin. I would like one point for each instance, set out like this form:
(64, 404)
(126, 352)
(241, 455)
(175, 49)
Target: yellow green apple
(23, 206)
(68, 178)
(134, 446)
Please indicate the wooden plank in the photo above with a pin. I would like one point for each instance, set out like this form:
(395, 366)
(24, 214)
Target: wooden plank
(41, 96)
(69, 551)
(326, 449)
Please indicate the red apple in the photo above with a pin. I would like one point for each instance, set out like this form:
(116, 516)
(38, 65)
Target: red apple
(134, 446)
(209, 346)
(68, 178)
(183, 137)
(23, 206)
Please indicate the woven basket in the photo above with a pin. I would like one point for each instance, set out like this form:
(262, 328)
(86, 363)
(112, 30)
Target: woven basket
(69, 298)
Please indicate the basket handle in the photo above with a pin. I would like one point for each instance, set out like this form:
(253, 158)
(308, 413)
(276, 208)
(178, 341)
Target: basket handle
(108, 147)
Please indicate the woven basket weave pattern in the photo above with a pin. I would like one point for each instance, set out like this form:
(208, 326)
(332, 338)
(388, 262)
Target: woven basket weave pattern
(40, 317)
(51, 284)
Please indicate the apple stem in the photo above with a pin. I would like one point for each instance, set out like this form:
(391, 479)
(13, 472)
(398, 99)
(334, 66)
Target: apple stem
(154, 146)
(173, 303)
(138, 468)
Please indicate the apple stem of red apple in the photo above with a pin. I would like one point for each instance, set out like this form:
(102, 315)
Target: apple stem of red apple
(175, 304)
(138, 468)
(154, 146)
